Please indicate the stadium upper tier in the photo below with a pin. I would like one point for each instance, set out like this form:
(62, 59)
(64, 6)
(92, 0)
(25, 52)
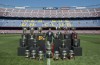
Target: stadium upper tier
(59, 13)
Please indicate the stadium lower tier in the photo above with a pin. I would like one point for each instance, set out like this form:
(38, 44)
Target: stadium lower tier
(49, 23)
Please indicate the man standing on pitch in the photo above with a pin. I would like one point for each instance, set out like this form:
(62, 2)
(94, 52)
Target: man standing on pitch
(50, 36)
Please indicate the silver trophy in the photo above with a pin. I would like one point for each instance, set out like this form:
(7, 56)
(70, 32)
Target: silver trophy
(35, 45)
(24, 30)
(71, 54)
(56, 55)
(23, 36)
(76, 43)
(64, 54)
(63, 44)
(27, 53)
(48, 46)
(48, 51)
(41, 55)
(31, 32)
(40, 29)
(33, 53)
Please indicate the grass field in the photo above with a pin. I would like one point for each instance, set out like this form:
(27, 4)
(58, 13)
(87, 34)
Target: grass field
(89, 43)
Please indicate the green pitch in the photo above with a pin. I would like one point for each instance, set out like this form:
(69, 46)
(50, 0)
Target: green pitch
(10, 42)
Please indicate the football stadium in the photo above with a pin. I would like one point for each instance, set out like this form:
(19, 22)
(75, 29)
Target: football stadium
(66, 35)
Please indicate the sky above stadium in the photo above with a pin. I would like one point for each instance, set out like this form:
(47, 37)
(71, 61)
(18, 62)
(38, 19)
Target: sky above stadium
(50, 3)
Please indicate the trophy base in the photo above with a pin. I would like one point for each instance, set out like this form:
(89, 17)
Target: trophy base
(68, 43)
(64, 58)
(33, 57)
(21, 51)
(56, 59)
(40, 59)
(26, 56)
(77, 51)
(72, 57)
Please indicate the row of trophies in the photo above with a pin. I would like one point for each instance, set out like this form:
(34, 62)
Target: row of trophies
(56, 55)
(40, 51)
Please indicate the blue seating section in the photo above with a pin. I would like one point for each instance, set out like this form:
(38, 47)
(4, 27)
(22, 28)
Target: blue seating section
(49, 23)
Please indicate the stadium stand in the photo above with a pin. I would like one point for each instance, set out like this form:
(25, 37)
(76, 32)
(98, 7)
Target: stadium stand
(62, 23)
(12, 12)
(78, 18)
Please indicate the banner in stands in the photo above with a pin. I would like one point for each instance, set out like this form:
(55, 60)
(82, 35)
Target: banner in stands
(49, 23)
(46, 23)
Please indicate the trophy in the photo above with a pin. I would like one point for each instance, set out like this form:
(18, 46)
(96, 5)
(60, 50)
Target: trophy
(24, 37)
(35, 45)
(56, 35)
(23, 41)
(63, 44)
(74, 34)
(39, 29)
(48, 45)
(33, 53)
(64, 54)
(40, 55)
(71, 54)
(31, 32)
(76, 43)
(24, 30)
(56, 55)
(49, 53)
(27, 53)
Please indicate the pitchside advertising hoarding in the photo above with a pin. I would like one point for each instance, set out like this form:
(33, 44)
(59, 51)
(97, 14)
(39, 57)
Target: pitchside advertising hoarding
(46, 23)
